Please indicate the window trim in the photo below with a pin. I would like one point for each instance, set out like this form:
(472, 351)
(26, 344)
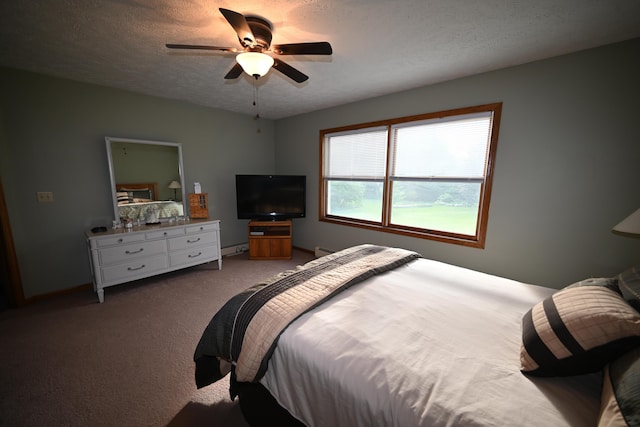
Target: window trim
(477, 241)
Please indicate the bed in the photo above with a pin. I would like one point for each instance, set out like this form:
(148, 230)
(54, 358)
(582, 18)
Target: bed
(139, 201)
(378, 336)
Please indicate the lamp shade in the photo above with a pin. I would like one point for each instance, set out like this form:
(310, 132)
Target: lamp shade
(629, 225)
(174, 185)
(255, 64)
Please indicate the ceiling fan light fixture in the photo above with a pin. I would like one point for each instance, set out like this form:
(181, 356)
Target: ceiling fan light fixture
(255, 64)
(254, 34)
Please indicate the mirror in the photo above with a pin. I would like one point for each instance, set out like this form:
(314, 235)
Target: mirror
(147, 180)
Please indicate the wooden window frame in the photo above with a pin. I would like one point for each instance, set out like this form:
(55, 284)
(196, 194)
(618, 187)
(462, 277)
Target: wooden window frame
(478, 240)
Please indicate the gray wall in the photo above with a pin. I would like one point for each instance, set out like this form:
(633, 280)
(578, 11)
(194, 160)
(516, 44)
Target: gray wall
(52, 139)
(566, 171)
(567, 166)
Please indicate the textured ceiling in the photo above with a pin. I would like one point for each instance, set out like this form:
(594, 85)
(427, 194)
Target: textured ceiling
(380, 46)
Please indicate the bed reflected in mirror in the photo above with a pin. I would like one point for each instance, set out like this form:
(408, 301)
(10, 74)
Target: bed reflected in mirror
(143, 180)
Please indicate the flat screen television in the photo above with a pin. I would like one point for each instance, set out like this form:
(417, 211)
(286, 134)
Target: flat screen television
(271, 197)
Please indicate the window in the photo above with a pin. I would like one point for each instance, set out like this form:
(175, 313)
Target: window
(426, 176)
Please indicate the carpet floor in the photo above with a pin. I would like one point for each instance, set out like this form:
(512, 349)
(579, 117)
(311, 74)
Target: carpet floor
(127, 362)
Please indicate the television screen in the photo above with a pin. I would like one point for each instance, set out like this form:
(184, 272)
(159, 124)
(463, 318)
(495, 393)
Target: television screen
(270, 197)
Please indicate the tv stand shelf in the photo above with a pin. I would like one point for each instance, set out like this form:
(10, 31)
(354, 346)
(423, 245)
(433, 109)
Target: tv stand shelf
(270, 239)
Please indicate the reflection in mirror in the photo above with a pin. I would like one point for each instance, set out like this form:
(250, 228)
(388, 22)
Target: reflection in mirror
(147, 182)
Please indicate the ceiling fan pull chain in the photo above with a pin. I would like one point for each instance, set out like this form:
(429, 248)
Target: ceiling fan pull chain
(255, 94)
(255, 104)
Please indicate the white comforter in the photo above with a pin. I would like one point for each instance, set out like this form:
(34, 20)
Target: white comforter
(428, 344)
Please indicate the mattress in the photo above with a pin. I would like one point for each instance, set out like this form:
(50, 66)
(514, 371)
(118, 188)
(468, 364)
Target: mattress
(427, 344)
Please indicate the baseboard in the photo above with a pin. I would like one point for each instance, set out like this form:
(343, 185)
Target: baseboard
(320, 252)
(50, 295)
(235, 249)
(304, 250)
(228, 251)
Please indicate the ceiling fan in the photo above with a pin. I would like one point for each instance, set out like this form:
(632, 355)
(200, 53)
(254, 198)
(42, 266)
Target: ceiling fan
(255, 35)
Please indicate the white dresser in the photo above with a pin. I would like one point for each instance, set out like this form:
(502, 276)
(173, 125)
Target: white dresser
(119, 256)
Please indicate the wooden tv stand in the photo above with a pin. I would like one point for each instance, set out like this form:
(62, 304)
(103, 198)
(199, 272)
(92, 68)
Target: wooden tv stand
(270, 239)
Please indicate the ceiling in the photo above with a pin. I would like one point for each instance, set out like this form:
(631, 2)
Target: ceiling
(379, 46)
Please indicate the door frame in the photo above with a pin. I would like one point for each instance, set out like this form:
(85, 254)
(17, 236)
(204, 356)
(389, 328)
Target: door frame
(11, 279)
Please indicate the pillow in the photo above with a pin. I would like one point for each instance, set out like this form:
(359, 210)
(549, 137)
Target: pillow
(123, 196)
(620, 403)
(577, 330)
(629, 284)
(607, 282)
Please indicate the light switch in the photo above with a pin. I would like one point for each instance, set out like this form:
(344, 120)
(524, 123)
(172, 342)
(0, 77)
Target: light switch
(45, 196)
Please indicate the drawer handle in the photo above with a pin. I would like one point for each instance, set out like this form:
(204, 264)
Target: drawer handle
(134, 252)
(193, 241)
(137, 268)
(196, 255)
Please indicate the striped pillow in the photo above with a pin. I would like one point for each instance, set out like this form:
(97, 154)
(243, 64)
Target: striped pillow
(620, 403)
(629, 284)
(123, 197)
(577, 330)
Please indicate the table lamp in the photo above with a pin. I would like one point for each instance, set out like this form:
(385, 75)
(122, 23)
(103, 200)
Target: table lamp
(174, 186)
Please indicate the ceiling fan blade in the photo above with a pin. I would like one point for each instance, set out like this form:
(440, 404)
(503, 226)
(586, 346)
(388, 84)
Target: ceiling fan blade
(201, 47)
(289, 71)
(234, 72)
(317, 48)
(240, 24)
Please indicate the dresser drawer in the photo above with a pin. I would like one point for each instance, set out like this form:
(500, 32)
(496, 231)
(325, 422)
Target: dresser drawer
(120, 239)
(171, 232)
(193, 240)
(134, 269)
(123, 253)
(203, 227)
(194, 256)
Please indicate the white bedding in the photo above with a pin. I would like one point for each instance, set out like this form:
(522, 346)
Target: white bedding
(428, 344)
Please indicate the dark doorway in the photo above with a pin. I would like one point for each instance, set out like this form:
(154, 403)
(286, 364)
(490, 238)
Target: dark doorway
(11, 293)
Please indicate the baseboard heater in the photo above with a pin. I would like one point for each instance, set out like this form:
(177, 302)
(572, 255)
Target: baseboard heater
(235, 249)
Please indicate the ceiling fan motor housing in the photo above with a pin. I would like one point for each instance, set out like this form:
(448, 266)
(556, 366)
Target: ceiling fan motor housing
(262, 31)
